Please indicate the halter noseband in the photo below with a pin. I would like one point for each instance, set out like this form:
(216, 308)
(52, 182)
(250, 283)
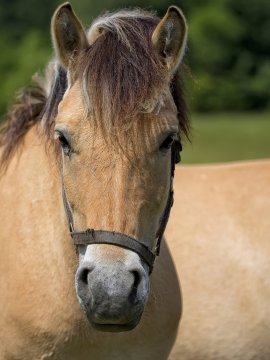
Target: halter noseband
(91, 236)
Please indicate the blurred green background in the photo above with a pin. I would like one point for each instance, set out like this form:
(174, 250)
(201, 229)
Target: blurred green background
(228, 56)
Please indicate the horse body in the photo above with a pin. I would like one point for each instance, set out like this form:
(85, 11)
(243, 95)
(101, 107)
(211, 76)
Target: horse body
(219, 236)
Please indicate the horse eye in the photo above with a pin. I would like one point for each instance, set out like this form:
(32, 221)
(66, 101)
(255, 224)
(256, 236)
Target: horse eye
(167, 143)
(64, 143)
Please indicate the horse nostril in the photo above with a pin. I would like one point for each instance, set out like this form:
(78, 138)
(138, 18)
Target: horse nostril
(137, 279)
(83, 274)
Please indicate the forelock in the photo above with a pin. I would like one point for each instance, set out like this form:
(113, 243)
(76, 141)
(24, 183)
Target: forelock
(120, 72)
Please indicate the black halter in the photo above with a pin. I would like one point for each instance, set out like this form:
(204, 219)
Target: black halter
(91, 236)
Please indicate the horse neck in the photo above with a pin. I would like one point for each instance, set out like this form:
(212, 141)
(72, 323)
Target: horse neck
(37, 256)
(31, 188)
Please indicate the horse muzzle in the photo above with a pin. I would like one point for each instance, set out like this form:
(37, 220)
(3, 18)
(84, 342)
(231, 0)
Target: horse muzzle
(112, 295)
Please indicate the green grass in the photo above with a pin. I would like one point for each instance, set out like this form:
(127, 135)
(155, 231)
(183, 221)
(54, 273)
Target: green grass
(228, 137)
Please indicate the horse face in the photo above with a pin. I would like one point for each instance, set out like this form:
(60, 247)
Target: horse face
(116, 174)
(117, 182)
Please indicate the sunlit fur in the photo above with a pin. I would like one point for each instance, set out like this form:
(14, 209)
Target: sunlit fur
(219, 236)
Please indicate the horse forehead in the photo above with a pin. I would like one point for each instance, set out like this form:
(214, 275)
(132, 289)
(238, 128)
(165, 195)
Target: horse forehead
(72, 106)
(73, 110)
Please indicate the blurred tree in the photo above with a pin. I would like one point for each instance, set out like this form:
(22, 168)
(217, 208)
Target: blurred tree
(17, 17)
(229, 47)
(19, 61)
(230, 55)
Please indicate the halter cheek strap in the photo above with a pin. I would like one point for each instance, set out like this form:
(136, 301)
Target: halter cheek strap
(91, 236)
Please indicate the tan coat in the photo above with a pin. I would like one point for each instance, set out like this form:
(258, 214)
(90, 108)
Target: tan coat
(219, 235)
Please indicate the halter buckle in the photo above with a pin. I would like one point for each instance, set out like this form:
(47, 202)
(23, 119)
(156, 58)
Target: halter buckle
(71, 228)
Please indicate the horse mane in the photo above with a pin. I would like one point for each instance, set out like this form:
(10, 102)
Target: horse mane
(23, 114)
(120, 75)
(30, 106)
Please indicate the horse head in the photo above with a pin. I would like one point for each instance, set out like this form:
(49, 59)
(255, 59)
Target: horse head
(115, 127)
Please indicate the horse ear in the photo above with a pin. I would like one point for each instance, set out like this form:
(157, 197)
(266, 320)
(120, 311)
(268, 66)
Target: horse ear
(68, 34)
(170, 37)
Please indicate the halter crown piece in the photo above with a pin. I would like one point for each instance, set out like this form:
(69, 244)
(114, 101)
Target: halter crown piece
(91, 236)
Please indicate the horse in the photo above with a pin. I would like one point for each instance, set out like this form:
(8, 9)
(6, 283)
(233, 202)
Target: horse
(87, 164)
(219, 235)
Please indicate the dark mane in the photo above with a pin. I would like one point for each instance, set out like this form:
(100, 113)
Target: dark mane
(120, 73)
(57, 91)
(23, 114)
(120, 76)
(32, 104)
